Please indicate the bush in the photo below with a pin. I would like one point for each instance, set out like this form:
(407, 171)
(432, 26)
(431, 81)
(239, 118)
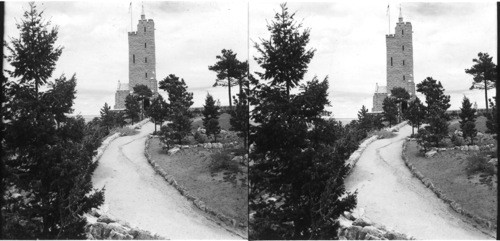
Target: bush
(383, 134)
(457, 140)
(127, 131)
(478, 164)
(200, 137)
(222, 161)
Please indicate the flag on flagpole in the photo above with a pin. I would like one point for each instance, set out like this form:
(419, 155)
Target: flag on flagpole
(130, 7)
(387, 13)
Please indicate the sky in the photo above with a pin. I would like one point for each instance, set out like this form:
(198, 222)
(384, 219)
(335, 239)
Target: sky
(349, 39)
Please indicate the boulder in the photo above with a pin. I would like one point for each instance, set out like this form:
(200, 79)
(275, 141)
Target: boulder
(475, 148)
(349, 216)
(493, 161)
(97, 229)
(353, 233)
(373, 231)
(208, 146)
(173, 150)
(344, 222)
(106, 218)
(357, 213)
(362, 221)
(185, 147)
(117, 228)
(430, 154)
(237, 159)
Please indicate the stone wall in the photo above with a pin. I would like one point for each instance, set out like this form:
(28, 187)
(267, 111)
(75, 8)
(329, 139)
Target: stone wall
(120, 96)
(454, 205)
(105, 226)
(354, 226)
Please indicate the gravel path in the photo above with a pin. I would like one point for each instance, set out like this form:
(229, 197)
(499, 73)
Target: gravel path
(391, 196)
(134, 193)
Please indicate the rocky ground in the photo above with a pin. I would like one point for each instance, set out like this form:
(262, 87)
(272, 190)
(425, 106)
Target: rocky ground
(391, 196)
(138, 196)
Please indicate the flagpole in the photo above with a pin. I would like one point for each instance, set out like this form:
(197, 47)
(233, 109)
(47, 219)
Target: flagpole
(389, 20)
(131, 27)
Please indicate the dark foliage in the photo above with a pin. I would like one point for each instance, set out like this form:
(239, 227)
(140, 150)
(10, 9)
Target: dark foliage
(415, 114)
(132, 108)
(492, 121)
(211, 117)
(468, 120)
(390, 109)
(484, 74)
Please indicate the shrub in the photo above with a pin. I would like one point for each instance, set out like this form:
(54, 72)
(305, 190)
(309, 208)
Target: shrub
(383, 134)
(478, 164)
(222, 161)
(127, 131)
(200, 137)
(424, 139)
(457, 140)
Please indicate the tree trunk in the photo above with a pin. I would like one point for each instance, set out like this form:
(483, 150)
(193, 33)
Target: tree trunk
(229, 90)
(486, 95)
(154, 122)
(288, 90)
(412, 130)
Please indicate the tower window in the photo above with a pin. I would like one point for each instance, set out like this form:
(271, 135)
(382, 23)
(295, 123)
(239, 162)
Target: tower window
(391, 61)
(403, 62)
(147, 75)
(146, 47)
(404, 77)
(144, 29)
(146, 60)
(403, 48)
(133, 58)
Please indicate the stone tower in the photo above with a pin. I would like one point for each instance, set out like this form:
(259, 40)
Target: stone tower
(399, 63)
(141, 60)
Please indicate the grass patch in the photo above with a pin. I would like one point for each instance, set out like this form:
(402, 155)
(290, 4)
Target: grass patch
(383, 134)
(450, 172)
(479, 164)
(221, 161)
(127, 131)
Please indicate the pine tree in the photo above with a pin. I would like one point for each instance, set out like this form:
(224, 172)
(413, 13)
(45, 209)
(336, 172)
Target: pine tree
(179, 102)
(157, 111)
(107, 117)
(296, 182)
(390, 109)
(211, 117)
(492, 121)
(284, 57)
(240, 117)
(484, 73)
(364, 120)
(435, 111)
(468, 120)
(48, 156)
(401, 97)
(230, 71)
(415, 114)
(132, 108)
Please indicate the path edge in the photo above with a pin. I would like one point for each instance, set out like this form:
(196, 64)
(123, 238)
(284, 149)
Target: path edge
(229, 224)
(481, 222)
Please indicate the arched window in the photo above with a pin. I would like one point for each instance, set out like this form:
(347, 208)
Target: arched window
(133, 58)
(403, 48)
(146, 60)
(146, 47)
(391, 61)
(403, 62)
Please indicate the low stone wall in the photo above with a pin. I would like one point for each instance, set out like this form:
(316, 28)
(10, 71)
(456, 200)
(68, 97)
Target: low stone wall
(139, 124)
(354, 226)
(105, 226)
(454, 205)
(104, 145)
(354, 157)
(197, 202)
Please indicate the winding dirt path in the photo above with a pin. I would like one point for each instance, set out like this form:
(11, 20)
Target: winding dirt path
(134, 193)
(391, 196)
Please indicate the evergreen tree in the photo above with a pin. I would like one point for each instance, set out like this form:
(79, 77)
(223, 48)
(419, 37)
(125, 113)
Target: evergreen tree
(284, 57)
(211, 117)
(230, 71)
(365, 121)
(437, 104)
(492, 120)
(296, 182)
(484, 73)
(180, 101)
(390, 109)
(415, 114)
(157, 111)
(47, 155)
(468, 120)
(132, 108)
(240, 116)
(107, 117)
